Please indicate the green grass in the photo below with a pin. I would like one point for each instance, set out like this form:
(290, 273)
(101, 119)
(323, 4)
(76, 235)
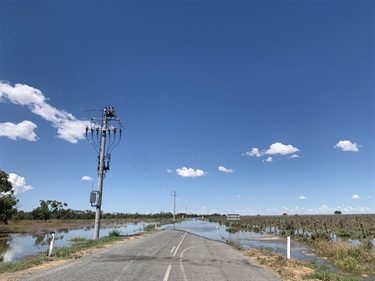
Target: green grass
(324, 273)
(22, 265)
(149, 227)
(349, 258)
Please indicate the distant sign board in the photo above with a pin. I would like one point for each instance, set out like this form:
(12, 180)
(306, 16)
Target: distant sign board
(233, 217)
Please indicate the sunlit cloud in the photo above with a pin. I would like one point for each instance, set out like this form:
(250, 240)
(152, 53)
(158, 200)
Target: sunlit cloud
(355, 196)
(225, 170)
(322, 210)
(276, 148)
(69, 128)
(294, 156)
(18, 183)
(302, 198)
(269, 159)
(346, 145)
(23, 130)
(254, 152)
(190, 172)
(279, 148)
(87, 178)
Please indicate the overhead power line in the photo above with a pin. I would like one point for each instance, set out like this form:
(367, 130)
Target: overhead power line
(53, 54)
(40, 66)
(142, 165)
(75, 52)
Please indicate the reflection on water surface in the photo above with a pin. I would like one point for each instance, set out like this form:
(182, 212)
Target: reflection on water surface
(16, 246)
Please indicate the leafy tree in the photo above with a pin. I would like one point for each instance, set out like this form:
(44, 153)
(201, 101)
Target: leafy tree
(42, 212)
(5, 184)
(49, 209)
(337, 212)
(7, 199)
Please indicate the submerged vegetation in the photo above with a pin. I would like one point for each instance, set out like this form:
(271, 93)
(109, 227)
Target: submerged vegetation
(309, 226)
(329, 237)
(358, 259)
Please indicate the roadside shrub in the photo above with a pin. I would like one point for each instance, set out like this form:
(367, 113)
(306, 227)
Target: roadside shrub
(320, 236)
(149, 227)
(324, 273)
(114, 233)
(356, 259)
(232, 230)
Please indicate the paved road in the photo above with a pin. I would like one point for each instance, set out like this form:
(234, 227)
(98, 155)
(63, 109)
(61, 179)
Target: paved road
(163, 256)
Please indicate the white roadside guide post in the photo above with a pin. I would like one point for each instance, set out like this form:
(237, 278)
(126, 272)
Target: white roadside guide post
(288, 247)
(51, 244)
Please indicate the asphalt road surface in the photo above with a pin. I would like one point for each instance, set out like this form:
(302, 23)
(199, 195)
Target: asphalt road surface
(164, 256)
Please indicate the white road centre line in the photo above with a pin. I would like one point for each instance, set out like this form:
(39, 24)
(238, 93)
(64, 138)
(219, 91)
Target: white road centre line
(173, 249)
(166, 276)
(175, 252)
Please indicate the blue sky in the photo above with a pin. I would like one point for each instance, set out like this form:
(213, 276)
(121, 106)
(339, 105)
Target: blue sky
(250, 107)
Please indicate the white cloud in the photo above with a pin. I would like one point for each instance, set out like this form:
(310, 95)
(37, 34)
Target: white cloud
(302, 198)
(22, 130)
(71, 130)
(346, 145)
(86, 178)
(254, 152)
(355, 196)
(190, 172)
(19, 184)
(169, 171)
(294, 156)
(68, 127)
(225, 170)
(324, 209)
(279, 148)
(269, 159)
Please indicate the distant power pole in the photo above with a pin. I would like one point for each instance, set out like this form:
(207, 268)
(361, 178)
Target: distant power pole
(174, 194)
(98, 138)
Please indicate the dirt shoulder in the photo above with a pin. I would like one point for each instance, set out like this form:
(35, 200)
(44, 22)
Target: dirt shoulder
(287, 269)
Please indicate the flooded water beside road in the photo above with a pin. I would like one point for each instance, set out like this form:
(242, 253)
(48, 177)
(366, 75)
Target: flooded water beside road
(246, 239)
(18, 246)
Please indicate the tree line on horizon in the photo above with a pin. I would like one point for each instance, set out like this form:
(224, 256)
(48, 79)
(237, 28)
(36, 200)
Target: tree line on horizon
(53, 209)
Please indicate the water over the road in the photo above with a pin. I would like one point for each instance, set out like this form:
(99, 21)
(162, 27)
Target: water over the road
(17, 246)
(245, 239)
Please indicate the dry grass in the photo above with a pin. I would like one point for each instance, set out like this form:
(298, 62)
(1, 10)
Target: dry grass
(291, 269)
(294, 270)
